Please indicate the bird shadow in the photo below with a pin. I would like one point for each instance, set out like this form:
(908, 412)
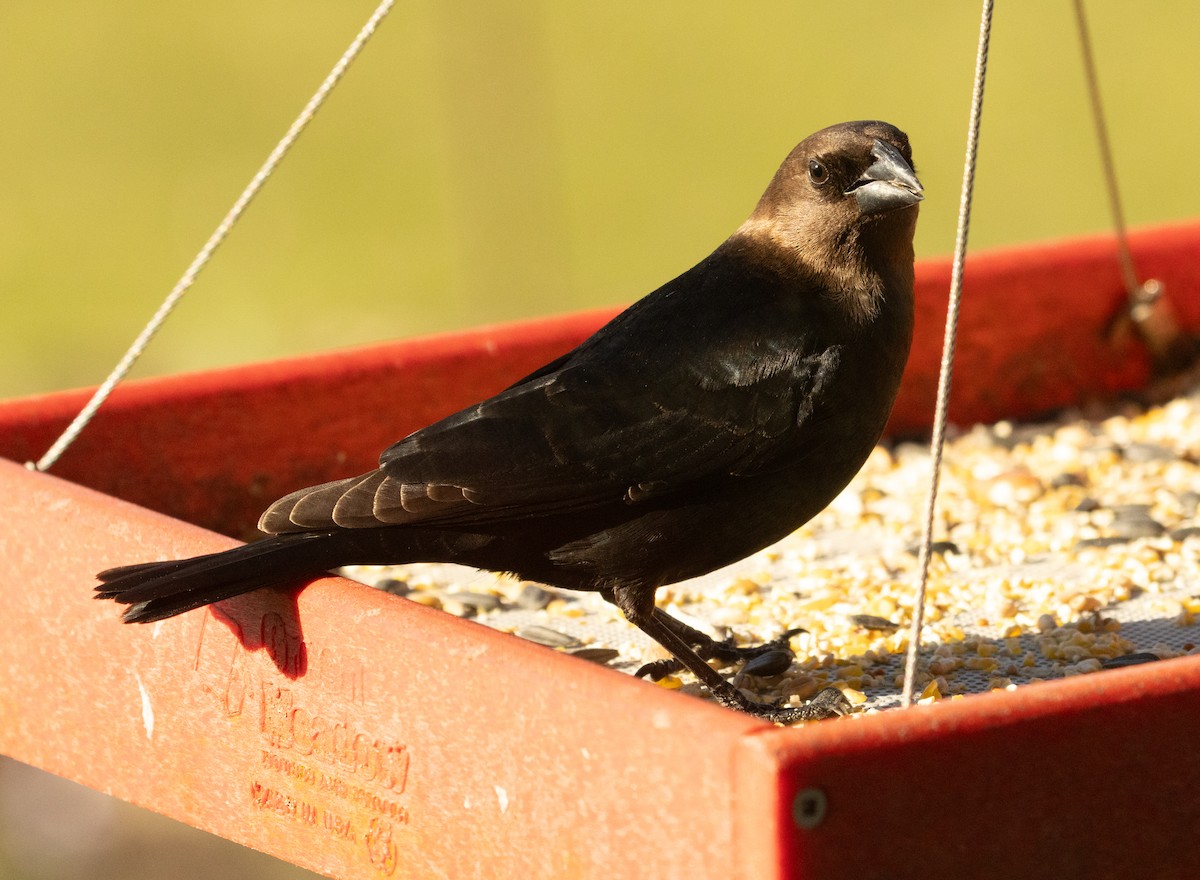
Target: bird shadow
(268, 620)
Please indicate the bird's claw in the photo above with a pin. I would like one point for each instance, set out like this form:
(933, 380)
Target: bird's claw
(728, 652)
(725, 651)
(828, 703)
(659, 669)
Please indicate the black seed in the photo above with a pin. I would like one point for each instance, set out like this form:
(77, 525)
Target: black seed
(597, 655)
(1130, 511)
(1147, 452)
(1110, 541)
(551, 638)
(395, 586)
(937, 548)
(1129, 660)
(534, 598)
(1189, 501)
(871, 622)
(1068, 479)
(475, 601)
(769, 663)
(1130, 527)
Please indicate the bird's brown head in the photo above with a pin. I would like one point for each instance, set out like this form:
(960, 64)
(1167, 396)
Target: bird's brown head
(843, 208)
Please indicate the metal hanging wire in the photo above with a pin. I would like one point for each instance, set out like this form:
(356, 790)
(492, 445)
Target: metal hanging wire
(214, 241)
(1171, 350)
(1149, 311)
(1128, 273)
(947, 367)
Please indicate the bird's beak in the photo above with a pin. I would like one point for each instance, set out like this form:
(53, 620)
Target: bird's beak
(888, 184)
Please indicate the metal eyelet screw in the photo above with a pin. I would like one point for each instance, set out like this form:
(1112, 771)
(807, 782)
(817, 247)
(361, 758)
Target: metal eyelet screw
(808, 808)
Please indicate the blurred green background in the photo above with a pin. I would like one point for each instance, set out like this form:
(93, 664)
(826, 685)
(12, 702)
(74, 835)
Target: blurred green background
(486, 162)
(491, 161)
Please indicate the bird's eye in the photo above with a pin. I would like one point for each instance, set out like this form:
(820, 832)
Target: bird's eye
(816, 172)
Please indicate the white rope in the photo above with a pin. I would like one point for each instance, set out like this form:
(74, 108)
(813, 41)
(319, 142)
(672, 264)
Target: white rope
(943, 392)
(181, 287)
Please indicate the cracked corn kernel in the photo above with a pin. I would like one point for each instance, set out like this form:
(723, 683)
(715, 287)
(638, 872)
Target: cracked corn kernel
(1090, 664)
(802, 687)
(931, 692)
(943, 665)
(852, 694)
(819, 603)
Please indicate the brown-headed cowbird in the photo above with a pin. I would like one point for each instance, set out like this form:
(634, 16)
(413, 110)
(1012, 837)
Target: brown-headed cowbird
(708, 420)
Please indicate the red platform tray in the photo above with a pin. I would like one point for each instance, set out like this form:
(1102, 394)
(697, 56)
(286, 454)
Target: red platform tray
(360, 735)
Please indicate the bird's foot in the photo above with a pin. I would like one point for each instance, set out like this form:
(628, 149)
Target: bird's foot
(725, 651)
(729, 652)
(828, 703)
(657, 670)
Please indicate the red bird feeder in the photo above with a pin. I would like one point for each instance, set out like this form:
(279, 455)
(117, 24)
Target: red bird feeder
(360, 735)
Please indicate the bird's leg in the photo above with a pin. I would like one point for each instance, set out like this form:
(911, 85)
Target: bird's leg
(705, 646)
(637, 604)
(708, 648)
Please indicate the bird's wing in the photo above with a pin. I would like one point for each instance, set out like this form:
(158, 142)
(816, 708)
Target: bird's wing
(652, 404)
(582, 437)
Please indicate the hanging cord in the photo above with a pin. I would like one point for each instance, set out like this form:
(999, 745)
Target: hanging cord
(943, 392)
(181, 287)
(1128, 273)
(1171, 350)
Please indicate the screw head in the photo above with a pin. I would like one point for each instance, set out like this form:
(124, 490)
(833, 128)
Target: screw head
(808, 808)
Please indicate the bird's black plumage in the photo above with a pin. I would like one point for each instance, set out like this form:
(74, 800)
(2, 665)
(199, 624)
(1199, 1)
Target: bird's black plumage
(708, 420)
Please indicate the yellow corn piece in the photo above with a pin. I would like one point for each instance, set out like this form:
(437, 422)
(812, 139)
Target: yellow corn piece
(931, 692)
(819, 603)
(427, 599)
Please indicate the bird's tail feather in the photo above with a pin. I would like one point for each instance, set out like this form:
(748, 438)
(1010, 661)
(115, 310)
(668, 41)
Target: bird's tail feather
(156, 590)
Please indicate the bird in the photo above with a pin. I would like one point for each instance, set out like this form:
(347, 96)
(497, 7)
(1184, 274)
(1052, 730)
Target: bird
(708, 420)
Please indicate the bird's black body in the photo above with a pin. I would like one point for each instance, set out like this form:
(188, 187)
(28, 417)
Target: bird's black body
(708, 420)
